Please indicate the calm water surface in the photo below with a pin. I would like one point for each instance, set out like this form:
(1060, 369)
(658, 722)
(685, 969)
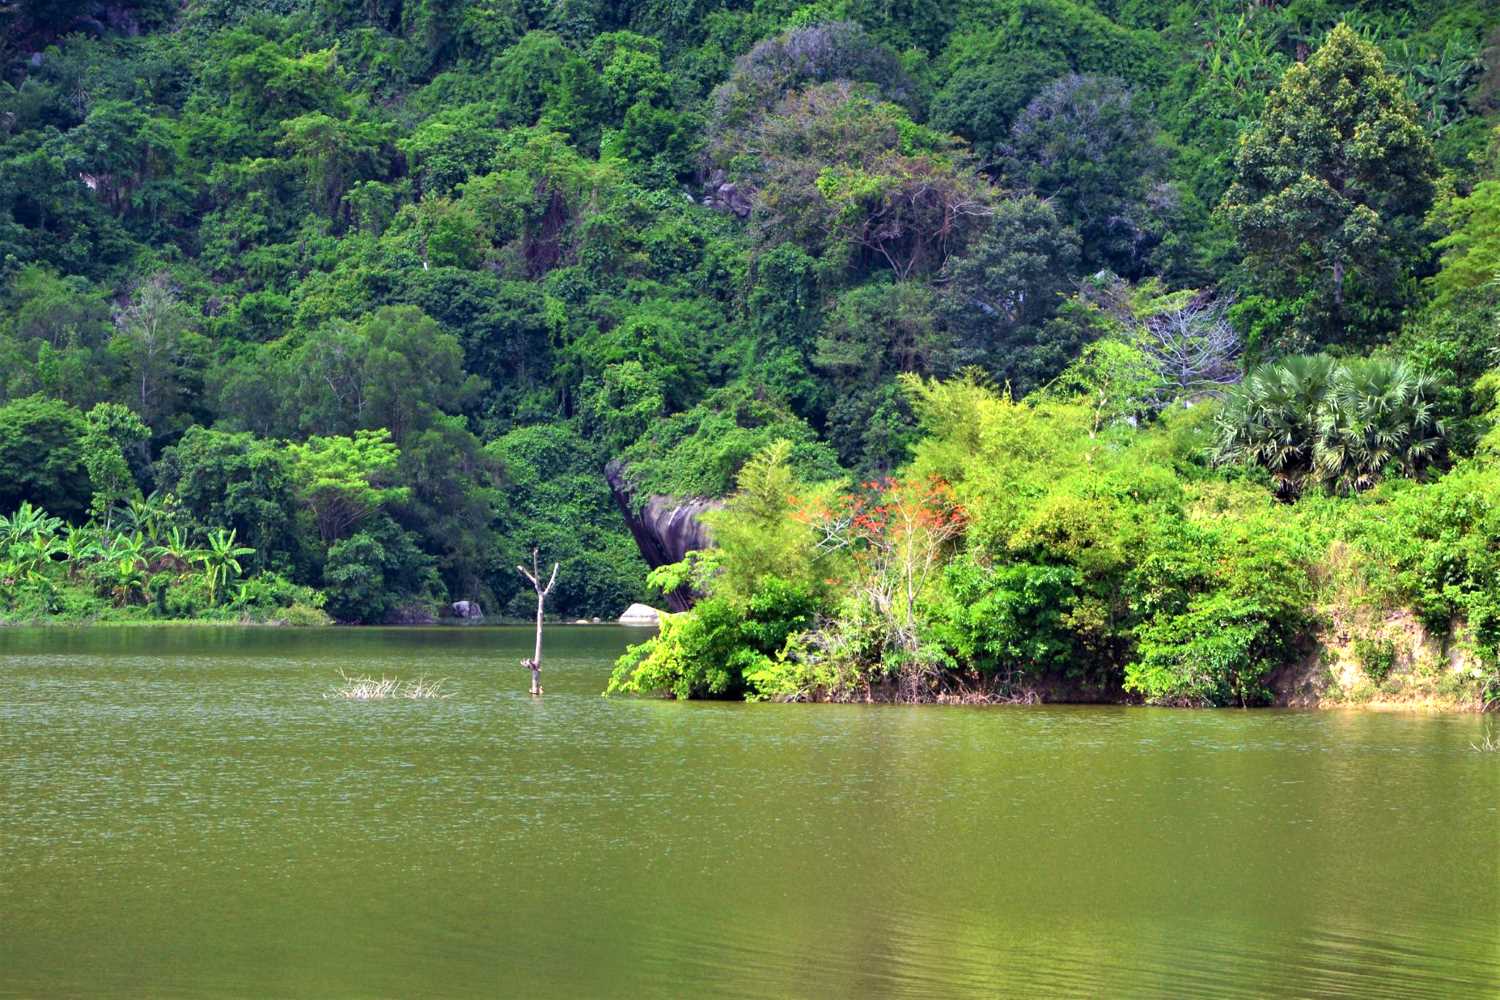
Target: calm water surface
(182, 813)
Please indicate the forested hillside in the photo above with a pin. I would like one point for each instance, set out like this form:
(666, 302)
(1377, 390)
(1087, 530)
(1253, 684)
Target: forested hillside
(363, 297)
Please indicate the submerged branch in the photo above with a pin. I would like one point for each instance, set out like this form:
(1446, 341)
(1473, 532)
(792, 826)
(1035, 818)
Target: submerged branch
(373, 689)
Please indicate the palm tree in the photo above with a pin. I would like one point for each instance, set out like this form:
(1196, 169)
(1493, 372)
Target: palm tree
(1267, 420)
(1342, 424)
(1377, 416)
(221, 560)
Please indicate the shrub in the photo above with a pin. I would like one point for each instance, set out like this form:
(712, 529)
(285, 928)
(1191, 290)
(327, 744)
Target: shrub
(1006, 618)
(1376, 657)
(1436, 549)
(374, 572)
(271, 591)
(718, 650)
(1215, 653)
(186, 598)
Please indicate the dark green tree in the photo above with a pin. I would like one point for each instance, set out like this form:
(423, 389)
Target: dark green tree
(240, 482)
(1000, 294)
(1088, 145)
(41, 457)
(1332, 184)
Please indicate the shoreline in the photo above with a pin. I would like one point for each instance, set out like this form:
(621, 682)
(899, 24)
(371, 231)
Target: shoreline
(54, 623)
(1300, 697)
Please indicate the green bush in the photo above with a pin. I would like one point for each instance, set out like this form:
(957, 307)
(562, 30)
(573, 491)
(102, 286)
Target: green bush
(187, 598)
(1007, 617)
(372, 573)
(1217, 652)
(1436, 549)
(271, 592)
(718, 650)
(1376, 657)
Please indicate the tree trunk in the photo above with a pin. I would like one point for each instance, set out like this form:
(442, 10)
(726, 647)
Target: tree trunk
(535, 576)
(536, 659)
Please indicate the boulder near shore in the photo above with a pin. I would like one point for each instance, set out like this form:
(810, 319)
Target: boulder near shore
(641, 614)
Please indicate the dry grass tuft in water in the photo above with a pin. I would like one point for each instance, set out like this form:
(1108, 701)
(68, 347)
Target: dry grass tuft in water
(372, 689)
(1487, 745)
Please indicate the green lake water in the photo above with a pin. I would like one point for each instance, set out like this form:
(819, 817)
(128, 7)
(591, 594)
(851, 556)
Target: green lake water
(183, 814)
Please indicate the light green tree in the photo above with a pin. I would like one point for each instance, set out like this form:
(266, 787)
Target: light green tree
(112, 429)
(1471, 248)
(343, 480)
(1114, 378)
(756, 535)
(149, 342)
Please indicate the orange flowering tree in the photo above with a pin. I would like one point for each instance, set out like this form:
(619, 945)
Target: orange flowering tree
(896, 533)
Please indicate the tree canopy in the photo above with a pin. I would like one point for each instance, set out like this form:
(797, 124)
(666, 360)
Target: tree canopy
(379, 290)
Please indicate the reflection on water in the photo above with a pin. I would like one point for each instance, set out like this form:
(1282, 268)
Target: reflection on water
(183, 813)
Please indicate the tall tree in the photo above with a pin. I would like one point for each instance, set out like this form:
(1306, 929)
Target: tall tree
(113, 429)
(1333, 182)
(149, 339)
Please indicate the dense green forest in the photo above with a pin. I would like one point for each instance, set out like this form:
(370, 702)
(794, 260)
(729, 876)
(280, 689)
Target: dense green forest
(1120, 345)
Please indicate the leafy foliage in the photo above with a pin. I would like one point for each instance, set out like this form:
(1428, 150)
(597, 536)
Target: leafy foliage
(388, 285)
(1341, 425)
(1333, 182)
(341, 479)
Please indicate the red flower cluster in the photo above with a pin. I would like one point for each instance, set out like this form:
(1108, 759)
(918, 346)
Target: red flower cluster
(884, 511)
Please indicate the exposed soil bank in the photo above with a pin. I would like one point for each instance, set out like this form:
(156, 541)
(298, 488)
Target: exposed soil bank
(1383, 661)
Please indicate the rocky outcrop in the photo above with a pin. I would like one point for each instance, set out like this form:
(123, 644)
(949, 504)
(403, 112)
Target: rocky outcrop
(725, 195)
(467, 610)
(665, 529)
(641, 614)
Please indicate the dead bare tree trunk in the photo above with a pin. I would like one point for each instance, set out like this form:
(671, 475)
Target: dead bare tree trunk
(535, 576)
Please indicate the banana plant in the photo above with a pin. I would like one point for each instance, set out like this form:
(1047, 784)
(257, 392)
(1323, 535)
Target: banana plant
(17, 572)
(174, 553)
(122, 571)
(150, 516)
(125, 579)
(36, 552)
(221, 560)
(79, 546)
(28, 541)
(27, 524)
